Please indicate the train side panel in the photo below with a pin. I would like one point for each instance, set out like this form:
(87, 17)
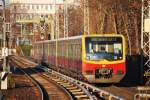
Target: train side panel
(72, 60)
(68, 56)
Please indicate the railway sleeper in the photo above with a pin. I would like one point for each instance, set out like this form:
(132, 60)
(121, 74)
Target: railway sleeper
(56, 80)
(72, 88)
(89, 89)
(107, 96)
(64, 83)
(77, 93)
(67, 85)
(76, 90)
(142, 96)
(81, 96)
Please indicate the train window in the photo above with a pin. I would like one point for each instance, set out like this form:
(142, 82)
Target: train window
(62, 50)
(53, 50)
(75, 51)
(77, 47)
(50, 50)
(52, 46)
(45, 53)
(78, 51)
(66, 50)
(58, 50)
(109, 48)
(70, 50)
(47, 49)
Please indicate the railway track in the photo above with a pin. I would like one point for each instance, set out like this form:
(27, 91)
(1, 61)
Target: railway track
(125, 92)
(27, 84)
(49, 89)
(54, 91)
(93, 92)
(45, 78)
(81, 90)
(78, 92)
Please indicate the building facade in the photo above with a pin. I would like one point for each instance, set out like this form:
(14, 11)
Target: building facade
(26, 16)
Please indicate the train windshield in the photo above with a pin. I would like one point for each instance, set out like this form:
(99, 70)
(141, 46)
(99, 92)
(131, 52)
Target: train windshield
(100, 48)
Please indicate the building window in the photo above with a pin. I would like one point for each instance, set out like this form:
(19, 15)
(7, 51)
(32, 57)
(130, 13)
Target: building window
(30, 6)
(17, 17)
(27, 17)
(46, 7)
(37, 6)
(27, 7)
(50, 7)
(21, 16)
(15, 7)
(42, 6)
(21, 6)
(31, 16)
(33, 7)
(46, 16)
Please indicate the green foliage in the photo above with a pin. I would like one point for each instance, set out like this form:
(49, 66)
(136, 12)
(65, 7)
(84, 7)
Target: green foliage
(26, 49)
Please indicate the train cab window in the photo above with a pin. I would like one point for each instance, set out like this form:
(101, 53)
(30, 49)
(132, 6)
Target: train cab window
(100, 48)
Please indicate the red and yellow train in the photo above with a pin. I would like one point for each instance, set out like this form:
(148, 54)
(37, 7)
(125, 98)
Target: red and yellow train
(96, 58)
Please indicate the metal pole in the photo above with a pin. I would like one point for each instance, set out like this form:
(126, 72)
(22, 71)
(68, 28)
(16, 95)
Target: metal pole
(4, 36)
(65, 18)
(141, 78)
(4, 79)
(142, 24)
(21, 36)
(149, 38)
(145, 43)
(56, 36)
(86, 17)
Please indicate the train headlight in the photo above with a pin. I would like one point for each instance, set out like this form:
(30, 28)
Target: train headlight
(120, 72)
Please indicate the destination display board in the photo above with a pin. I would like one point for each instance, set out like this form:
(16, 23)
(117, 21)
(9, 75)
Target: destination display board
(105, 39)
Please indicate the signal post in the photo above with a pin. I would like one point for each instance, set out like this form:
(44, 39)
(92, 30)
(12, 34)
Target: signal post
(5, 74)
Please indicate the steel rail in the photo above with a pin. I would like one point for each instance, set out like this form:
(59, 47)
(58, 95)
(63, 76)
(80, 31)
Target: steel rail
(83, 89)
(45, 77)
(27, 62)
(86, 86)
(34, 81)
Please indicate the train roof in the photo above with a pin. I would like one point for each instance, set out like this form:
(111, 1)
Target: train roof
(61, 39)
(79, 37)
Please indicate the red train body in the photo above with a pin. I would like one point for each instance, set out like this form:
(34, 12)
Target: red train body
(96, 58)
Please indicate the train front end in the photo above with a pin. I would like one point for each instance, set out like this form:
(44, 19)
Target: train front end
(103, 59)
